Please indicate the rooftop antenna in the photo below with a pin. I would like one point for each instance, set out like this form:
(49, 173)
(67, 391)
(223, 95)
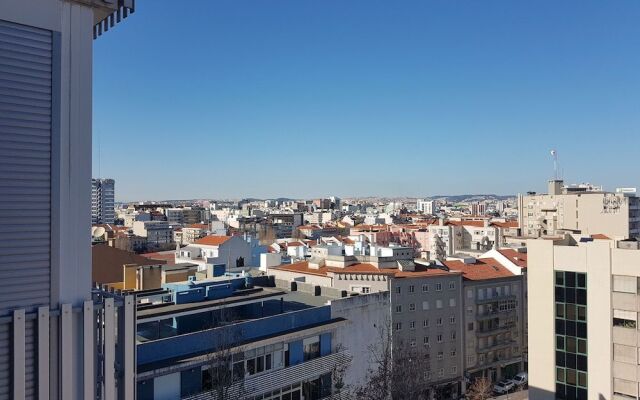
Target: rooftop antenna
(554, 154)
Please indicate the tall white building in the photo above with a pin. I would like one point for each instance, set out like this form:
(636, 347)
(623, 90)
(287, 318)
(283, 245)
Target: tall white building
(102, 201)
(584, 209)
(426, 206)
(583, 321)
(58, 338)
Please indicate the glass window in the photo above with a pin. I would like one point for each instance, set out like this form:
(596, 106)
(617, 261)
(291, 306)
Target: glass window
(311, 348)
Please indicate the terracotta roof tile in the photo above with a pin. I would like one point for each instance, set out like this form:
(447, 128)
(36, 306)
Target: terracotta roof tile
(482, 269)
(212, 240)
(516, 257)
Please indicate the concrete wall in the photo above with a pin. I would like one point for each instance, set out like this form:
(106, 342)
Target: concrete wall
(366, 315)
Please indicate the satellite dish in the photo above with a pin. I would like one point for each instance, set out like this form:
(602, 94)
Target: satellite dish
(97, 232)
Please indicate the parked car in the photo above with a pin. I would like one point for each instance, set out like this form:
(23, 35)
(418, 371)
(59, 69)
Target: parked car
(504, 386)
(522, 379)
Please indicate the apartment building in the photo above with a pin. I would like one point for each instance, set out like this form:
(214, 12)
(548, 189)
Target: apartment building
(102, 201)
(52, 326)
(493, 312)
(271, 341)
(428, 207)
(222, 251)
(158, 233)
(584, 209)
(193, 232)
(425, 302)
(583, 339)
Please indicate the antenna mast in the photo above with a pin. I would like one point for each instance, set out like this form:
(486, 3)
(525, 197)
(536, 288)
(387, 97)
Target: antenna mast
(554, 154)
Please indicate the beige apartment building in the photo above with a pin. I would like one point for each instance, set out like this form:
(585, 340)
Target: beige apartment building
(583, 315)
(584, 209)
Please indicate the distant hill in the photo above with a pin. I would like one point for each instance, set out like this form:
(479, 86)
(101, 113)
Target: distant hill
(460, 198)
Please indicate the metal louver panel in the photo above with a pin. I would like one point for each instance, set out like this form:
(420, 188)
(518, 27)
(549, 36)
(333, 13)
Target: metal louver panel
(25, 186)
(25, 166)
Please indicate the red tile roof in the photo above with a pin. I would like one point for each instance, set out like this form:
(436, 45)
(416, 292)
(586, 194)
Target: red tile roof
(506, 224)
(600, 236)
(516, 257)
(362, 268)
(212, 240)
(198, 226)
(482, 269)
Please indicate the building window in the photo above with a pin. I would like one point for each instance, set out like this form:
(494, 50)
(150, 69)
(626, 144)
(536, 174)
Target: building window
(438, 303)
(311, 348)
(453, 336)
(470, 294)
(625, 284)
(398, 289)
(571, 334)
(412, 307)
(398, 326)
(425, 288)
(452, 319)
(440, 355)
(438, 287)
(439, 338)
(425, 305)
(439, 321)
(452, 285)
(425, 340)
(412, 343)
(441, 372)
(454, 370)
(412, 325)
(452, 302)
(470, 326)
(453, 353)
(399, 308)
(425, 323)
(412, 289)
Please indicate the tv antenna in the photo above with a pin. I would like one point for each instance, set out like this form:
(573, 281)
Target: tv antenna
(554, 154)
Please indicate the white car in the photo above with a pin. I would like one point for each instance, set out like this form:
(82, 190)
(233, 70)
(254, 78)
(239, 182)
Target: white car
(521, 379)
(504, 386)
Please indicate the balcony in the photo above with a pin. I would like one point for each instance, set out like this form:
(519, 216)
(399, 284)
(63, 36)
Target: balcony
(496, 313)
(496, 298)
(495, 330)
(497, 346)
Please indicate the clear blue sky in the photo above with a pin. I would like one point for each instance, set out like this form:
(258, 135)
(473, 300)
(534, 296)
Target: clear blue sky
(304, 98)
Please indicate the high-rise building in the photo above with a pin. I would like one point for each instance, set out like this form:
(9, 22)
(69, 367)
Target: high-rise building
(584, 209)
(59, 339)
(583, 322)
(102, 201)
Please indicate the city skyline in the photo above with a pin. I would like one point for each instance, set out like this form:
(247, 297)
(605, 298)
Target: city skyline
(305, 99)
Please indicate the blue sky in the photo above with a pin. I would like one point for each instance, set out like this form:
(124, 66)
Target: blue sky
(303, 98)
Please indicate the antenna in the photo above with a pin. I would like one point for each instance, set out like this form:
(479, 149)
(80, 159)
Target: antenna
(554, 154)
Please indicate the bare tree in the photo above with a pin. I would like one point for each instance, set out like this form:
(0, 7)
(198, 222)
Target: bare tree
(224, 377)
(480, 389)
(396, 373)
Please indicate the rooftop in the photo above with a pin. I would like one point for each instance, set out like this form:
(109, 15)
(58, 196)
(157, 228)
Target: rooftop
(481, 269)
(212, 240)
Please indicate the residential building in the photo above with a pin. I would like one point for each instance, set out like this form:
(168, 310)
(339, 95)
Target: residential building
(425, 302)
(428, 207)
(493, 313)
(584, 209)
(277, 342)
(225, 252)
(102, 201)
(583, 339)
(158, 233)
(59, 339)
(193, 232)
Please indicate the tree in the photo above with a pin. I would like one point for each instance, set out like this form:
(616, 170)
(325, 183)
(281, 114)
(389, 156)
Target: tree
(480, 389)
(224, 379)
(396, 373)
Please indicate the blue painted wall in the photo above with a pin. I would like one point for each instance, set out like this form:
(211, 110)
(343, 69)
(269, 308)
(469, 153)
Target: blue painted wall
(325, 344)
(296, 353)
(202, 341)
